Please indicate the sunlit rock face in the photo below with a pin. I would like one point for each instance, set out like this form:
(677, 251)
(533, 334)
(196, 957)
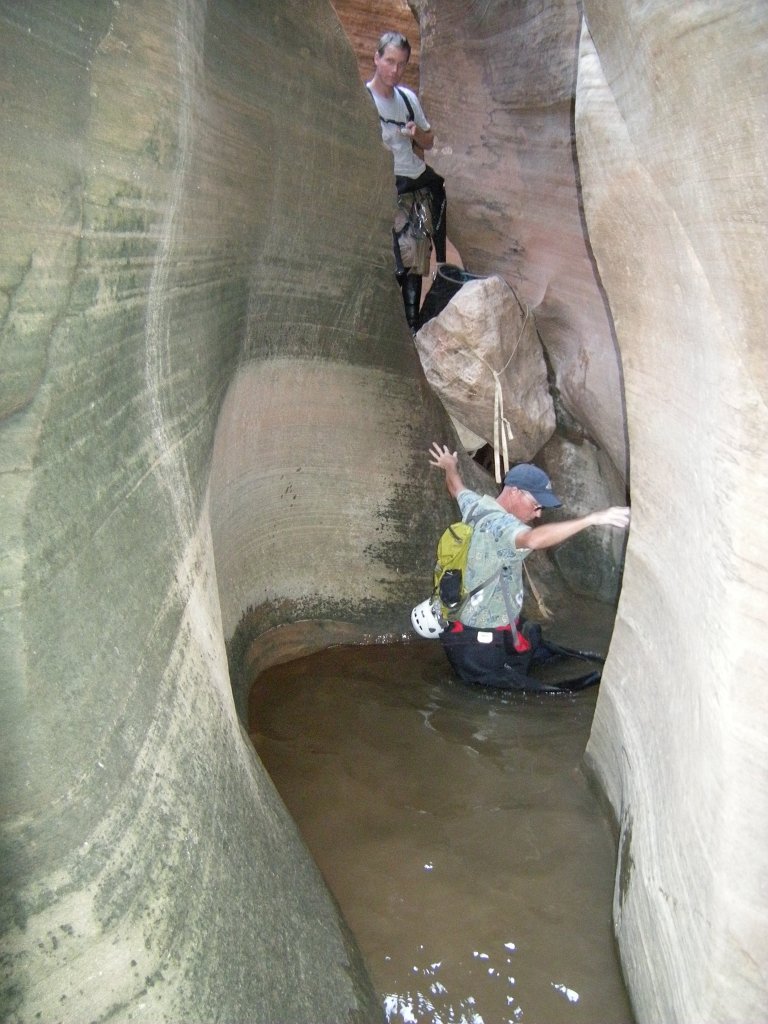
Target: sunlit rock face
(194, 233)
(671, 129)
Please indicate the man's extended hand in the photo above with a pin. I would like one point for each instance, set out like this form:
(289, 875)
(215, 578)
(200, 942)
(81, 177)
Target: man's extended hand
(615, 516)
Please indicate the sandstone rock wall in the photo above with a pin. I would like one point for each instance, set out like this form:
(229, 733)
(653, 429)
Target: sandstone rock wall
(193, 222)
(205, 378)
(671, 128)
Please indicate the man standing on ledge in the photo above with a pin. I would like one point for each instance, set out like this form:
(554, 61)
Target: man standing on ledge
(483, 643)
(406, 131)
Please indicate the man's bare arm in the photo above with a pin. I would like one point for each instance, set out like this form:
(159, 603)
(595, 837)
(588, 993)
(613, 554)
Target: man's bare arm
(549, 534)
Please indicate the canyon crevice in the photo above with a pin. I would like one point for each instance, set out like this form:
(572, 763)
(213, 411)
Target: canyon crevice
(213, 432)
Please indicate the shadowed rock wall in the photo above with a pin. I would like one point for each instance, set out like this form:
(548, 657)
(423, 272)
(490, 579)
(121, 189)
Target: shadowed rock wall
(671, 125)
(194, 225)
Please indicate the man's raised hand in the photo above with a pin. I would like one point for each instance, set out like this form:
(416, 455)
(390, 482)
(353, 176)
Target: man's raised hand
(442, 457)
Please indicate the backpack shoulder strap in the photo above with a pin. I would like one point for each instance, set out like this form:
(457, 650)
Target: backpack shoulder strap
(404, 97)
(473, 518)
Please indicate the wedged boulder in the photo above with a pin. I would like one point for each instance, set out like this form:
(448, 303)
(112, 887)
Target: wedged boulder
(483, 346)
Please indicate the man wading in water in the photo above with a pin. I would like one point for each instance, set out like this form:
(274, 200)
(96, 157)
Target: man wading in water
(483, 645)
(407, 133)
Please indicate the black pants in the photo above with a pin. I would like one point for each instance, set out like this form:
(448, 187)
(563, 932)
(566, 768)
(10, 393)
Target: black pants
(435, 185)
(488, 656)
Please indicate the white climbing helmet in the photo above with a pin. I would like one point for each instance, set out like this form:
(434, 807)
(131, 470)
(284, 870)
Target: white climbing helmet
(425, 621)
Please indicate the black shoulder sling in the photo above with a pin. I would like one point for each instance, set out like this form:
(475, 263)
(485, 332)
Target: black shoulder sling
(404, 97)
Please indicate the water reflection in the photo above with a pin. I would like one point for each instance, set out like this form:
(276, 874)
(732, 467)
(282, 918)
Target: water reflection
(456, 831)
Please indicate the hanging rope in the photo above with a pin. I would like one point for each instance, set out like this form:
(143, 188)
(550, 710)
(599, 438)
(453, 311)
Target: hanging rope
(502, 428)
(545, 611)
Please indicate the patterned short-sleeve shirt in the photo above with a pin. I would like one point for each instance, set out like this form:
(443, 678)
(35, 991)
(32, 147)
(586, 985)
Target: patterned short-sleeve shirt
(492, 547)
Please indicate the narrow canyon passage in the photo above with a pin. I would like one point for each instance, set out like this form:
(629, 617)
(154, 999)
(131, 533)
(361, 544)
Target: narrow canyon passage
(456, 830)
(213, 435)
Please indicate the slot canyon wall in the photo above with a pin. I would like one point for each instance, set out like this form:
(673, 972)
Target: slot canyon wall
(194, 235)
(204, 353)
(671, 124)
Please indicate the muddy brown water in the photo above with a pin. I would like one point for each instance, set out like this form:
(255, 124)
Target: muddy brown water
(456, 830)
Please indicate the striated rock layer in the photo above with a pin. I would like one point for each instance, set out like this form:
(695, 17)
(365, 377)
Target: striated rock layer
(194, 232)
(671, 128)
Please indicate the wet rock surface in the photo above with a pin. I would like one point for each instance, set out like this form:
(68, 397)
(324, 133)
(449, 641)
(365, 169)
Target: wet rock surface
(662, 124)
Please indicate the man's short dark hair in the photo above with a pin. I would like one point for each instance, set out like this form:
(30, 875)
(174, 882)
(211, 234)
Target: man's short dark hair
(396, 39)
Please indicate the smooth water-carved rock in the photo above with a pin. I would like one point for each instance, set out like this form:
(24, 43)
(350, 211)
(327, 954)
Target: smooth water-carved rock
(170, 225)
(670, 119)
(482, 356)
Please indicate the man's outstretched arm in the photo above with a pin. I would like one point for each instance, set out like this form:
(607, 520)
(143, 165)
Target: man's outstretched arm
(549, 534)
(538, 537)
